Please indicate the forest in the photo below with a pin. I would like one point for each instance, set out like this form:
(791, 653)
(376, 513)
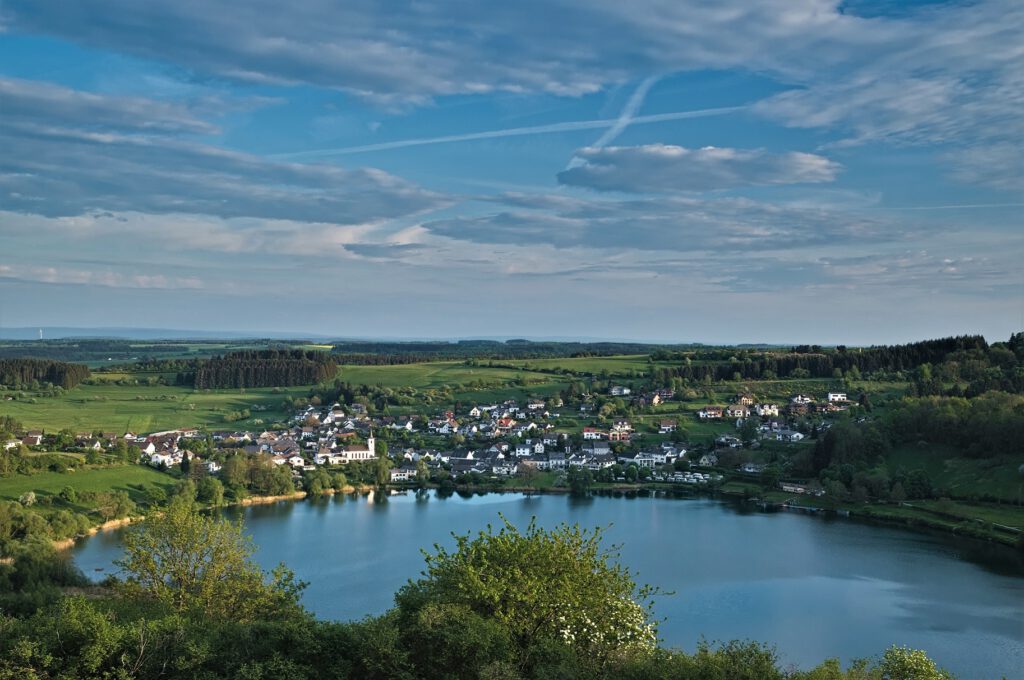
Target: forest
(23, 372)
(263, 368)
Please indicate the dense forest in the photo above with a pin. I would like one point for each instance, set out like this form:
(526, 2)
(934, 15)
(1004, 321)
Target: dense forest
(263, 368)
(967, 359)
(19, 373)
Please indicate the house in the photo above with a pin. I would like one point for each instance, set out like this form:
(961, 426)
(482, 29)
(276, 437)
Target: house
(667, 426)
(535, 405)
(801, 399)
(708, 460)
(710, 412)
(737, 411)
(556, 461)
(295, 460)
(405, 473)
(537, 448)
(165, 459)
(767, 410)
(745, 399)
(837, 396)
(591, 433)
(475, 412)
(33, 439)
(522, 449)
(788, 436)
(597, 448)
(619, 391)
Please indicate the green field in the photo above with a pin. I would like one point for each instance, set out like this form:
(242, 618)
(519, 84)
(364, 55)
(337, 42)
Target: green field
(964, 477)
(140, 408)
(122, 478)
(438, 374)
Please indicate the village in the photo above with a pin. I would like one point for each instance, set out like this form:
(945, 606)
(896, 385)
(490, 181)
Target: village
(497, 441)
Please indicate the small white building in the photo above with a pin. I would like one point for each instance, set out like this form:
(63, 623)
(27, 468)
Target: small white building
(837, 396)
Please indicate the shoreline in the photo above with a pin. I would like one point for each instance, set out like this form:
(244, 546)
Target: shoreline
(65, 544)
(867, 514)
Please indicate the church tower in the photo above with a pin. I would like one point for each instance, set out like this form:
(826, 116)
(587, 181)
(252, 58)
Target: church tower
(371, 444)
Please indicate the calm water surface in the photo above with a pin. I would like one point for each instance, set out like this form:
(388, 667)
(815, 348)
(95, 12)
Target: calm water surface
(814, 588)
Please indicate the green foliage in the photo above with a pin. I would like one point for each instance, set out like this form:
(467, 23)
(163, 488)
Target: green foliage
(543, 587)
(198, 565)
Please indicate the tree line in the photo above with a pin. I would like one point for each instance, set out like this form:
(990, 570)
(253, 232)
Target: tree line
(18, 373)
(262, 368)
(801, 362)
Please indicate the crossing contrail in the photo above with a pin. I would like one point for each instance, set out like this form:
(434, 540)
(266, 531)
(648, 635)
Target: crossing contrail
(568, 126)
(626, 117)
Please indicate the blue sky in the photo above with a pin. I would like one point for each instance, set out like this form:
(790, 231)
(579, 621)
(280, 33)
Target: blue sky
(776, 171)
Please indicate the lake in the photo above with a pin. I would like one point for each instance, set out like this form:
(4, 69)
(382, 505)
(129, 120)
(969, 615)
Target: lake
(813, 587)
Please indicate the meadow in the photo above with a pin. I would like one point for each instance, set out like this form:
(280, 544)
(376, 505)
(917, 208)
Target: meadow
(130, 478)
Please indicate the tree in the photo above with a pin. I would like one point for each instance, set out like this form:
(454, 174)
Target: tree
(114, 504)
(200, 566)
(544, 587)
(580, 480)
(210, 490)
(422, 472)
(382, 470)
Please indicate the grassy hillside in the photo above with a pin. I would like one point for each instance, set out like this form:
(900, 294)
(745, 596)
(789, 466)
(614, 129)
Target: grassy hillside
(128, 478)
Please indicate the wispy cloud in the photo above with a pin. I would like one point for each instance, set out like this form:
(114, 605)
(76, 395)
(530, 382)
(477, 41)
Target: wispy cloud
(69, 153)
(568, 126)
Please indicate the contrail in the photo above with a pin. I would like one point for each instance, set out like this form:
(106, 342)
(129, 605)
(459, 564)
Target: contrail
(568, 126)
(627, 116)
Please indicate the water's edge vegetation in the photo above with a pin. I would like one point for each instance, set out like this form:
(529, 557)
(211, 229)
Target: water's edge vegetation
(506, 603)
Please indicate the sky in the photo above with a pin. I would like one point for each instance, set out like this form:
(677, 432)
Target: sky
(660, 170)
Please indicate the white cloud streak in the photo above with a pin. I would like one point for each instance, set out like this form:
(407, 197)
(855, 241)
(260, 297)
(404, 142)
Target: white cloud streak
(568, 126)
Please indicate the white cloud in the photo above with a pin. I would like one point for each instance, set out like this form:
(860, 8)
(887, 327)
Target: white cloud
(665, 168)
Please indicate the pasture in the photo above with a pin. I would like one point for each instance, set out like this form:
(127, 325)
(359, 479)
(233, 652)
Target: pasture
(121, 478)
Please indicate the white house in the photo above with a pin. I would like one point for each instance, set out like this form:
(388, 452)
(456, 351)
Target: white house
(837, 396)
(767, 410)
(667, 426)
(710, 412)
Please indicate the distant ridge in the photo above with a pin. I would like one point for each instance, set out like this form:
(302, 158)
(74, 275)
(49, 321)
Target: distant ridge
(128, 333)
